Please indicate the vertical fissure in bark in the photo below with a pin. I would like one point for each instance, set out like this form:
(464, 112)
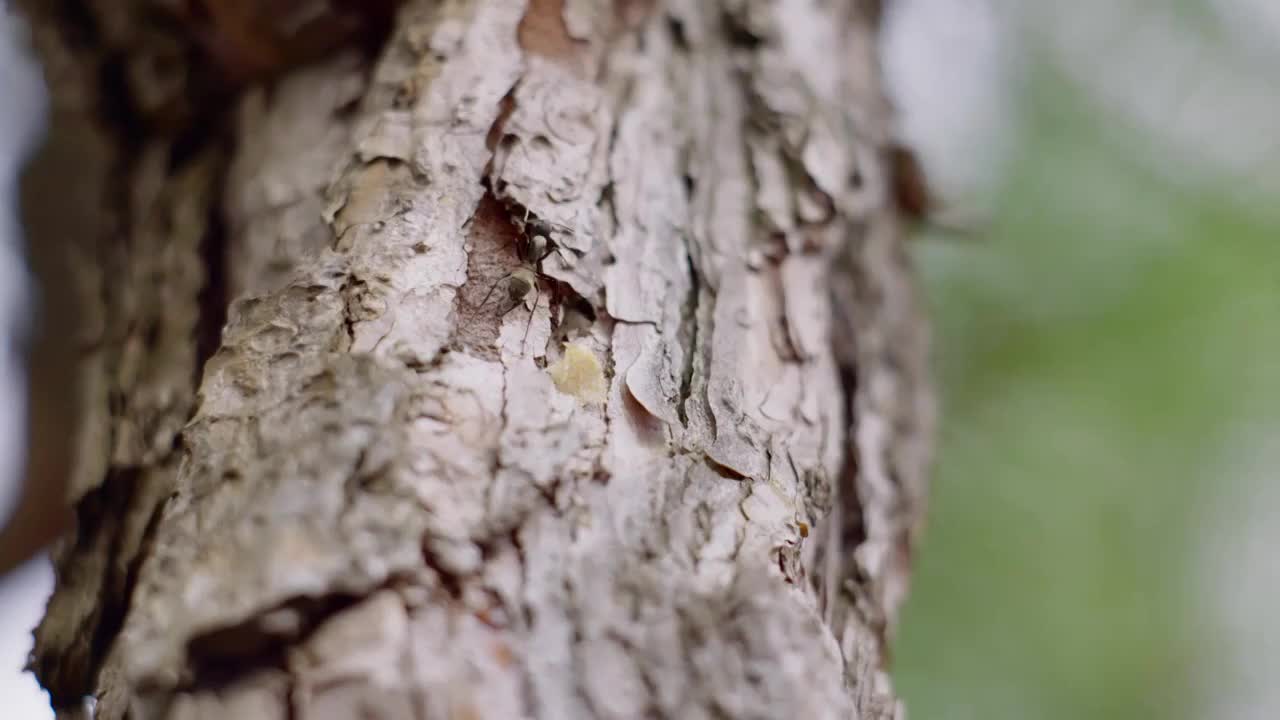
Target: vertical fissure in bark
(688, 333)
(214, 297)
(97, 519)
(106, 632)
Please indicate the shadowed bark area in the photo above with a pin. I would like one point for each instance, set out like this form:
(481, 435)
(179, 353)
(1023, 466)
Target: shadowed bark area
(572, 368)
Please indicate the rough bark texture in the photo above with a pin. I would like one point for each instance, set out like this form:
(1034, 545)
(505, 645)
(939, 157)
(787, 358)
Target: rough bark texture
(679, 477)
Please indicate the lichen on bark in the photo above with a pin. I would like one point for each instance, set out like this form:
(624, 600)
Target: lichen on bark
(381, 501)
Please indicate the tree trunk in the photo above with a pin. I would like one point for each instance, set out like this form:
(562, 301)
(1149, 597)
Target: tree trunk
(571, 368)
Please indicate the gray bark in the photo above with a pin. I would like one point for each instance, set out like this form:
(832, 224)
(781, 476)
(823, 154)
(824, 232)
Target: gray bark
(388, 489)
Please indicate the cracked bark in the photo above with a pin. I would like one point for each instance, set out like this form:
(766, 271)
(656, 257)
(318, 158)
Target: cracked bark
(376, 491)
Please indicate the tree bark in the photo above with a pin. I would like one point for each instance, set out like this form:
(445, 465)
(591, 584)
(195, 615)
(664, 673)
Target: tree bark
(677, 473)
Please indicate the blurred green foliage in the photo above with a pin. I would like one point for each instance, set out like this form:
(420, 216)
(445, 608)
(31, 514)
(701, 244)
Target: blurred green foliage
(1096, 351)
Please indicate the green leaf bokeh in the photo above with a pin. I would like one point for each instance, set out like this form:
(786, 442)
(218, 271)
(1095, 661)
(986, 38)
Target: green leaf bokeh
(1098, 352)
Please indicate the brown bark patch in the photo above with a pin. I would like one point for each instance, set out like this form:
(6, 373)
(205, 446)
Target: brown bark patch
(491, 239)
(542, 32)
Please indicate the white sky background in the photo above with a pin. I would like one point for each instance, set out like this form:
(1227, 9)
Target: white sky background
(953, 68)
(22, 595)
